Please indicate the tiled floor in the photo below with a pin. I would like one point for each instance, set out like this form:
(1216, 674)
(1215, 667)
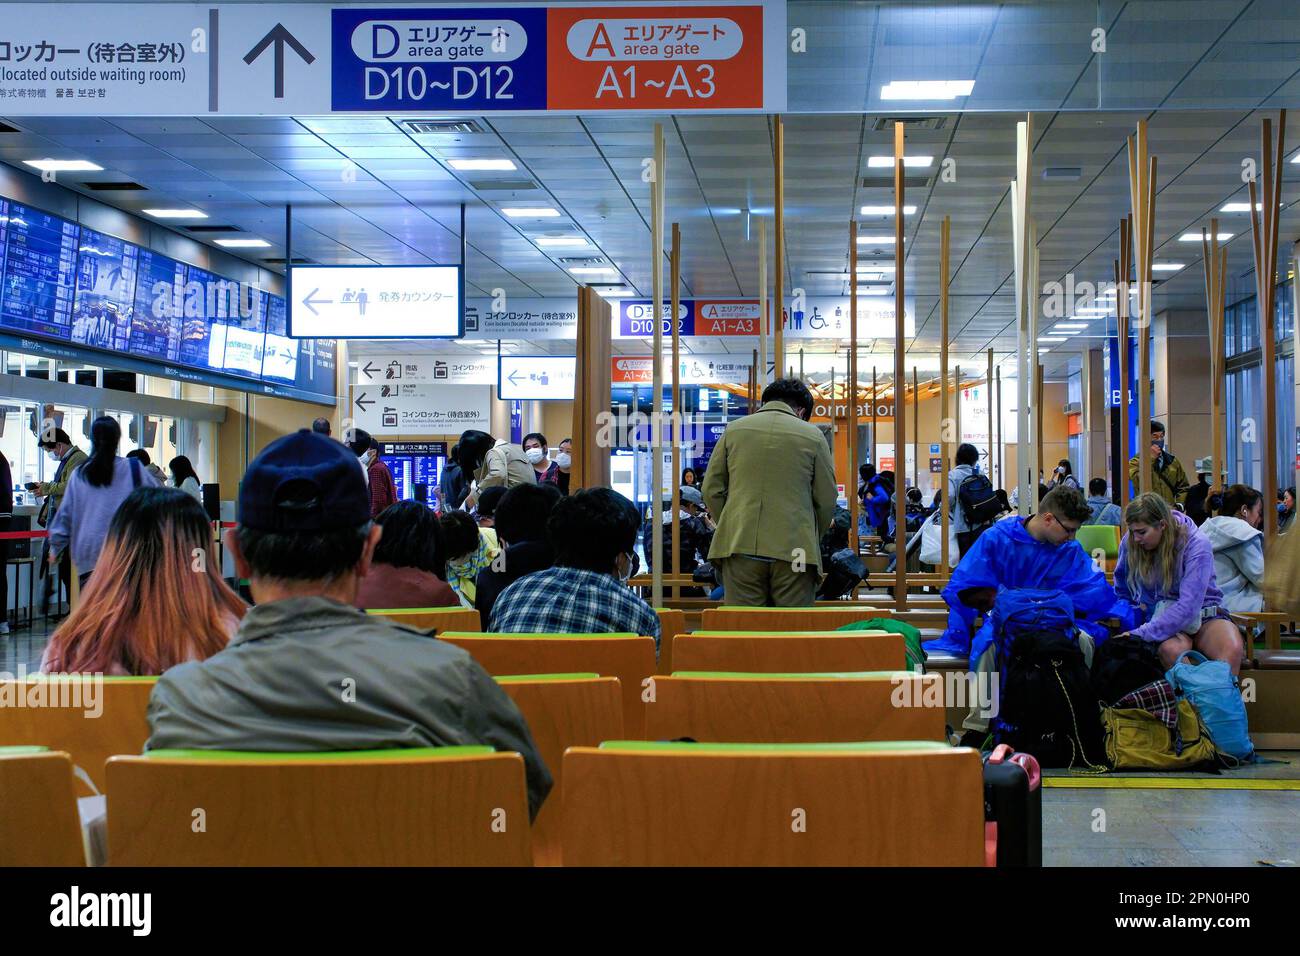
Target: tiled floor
(24, 646)
(1170, 827)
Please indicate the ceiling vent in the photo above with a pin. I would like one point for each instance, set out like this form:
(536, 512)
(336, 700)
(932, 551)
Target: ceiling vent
(104, 187)
(582, 261)
(886, 123)
(511, 185)
(206, 228)
(296, 261)
(1063, 173)
(444, 127)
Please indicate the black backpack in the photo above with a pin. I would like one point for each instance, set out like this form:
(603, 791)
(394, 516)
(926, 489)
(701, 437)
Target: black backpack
(1047, 706)
(979, 502)
(1122, 665)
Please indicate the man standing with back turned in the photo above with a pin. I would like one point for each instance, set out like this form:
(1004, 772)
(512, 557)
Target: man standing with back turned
(771, 485)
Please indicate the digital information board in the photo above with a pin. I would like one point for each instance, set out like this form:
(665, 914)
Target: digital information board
(72, 293)
(414, 463)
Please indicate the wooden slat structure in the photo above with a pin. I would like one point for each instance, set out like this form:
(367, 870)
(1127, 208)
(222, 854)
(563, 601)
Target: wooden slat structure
(1123, 306)
(591, 399)
(1215, 260)
(657, 361)
(675, 266)
(1142, 193)
(851, 480)
(1263, 231)
(778, 299)
(900, 350)
(945, 427)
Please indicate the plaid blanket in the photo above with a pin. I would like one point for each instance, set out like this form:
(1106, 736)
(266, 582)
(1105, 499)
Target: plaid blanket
(1158, 699)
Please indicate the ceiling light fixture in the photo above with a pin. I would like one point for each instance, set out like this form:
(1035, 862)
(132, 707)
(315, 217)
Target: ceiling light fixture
(469, 165)
(243, 243)
(886, 210)
(1240, 207)
(560, 240)
(887, 162)
(1168, 266)
(63, 165)
(176, 213)
(926, 89)
(593, 271)
(875, 240)
(525, 212)
(1196, 237)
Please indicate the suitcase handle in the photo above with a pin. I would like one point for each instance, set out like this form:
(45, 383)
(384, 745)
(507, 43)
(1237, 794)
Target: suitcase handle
(1003, 752)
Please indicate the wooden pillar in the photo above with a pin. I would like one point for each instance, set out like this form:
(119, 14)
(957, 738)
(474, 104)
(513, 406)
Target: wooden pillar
(1001, 461)
(1142, 193)
(657, 360)
(900, 348)
(1123, 306)
(875, 400)
(945, 423)
(763, 317)
(591, 400)
(674, 273)
(851, 488)
(1215, 261)
(988, 389)
(778, 318)
(1026, 293)
(1038, 421)
(916, 431)
(1264, 238)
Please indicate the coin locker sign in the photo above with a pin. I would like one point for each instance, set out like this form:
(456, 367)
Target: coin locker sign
(390, 408)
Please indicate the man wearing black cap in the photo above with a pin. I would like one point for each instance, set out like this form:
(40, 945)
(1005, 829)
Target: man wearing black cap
(306, 671)
(59, 447)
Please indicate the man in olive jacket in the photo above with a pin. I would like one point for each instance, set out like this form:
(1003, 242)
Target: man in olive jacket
(771, 487)
(1168, 477)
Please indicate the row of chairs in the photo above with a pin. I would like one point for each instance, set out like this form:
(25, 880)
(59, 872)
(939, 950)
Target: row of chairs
(622, 803)
(570, 709)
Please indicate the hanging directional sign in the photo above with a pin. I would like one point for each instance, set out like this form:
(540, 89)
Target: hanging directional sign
(374, 302)
(168, 59)
(426, 369)
(393, 409)
(536, 377)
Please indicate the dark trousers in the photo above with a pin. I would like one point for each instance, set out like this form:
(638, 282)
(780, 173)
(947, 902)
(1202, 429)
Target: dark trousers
(5, 521)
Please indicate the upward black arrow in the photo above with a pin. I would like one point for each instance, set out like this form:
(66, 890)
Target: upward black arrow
(279, 36)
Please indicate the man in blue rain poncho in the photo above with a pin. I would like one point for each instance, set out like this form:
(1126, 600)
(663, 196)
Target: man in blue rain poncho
(1038, 552)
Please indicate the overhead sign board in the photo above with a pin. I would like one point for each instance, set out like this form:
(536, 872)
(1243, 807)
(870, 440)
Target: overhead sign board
(399, 409)
(536, 377)
(168, 59)
(825, 317)
(691, 370)
(374, 302)
(426, 369)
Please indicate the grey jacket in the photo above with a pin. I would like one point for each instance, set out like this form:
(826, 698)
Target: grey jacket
(279, 686)
(956, 475)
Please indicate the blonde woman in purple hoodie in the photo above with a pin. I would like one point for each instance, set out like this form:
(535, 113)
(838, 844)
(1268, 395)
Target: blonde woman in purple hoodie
(1166, 569)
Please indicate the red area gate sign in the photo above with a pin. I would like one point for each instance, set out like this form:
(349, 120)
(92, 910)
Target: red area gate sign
(661, 58)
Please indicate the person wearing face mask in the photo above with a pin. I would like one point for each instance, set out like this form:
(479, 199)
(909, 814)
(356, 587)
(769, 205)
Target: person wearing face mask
(1166, 571)
(1168, 477)
(383, 489)
(67, 458)
(563, 464)
(593, 534)
(535, 451)
(1286, 511)
(1237, 539)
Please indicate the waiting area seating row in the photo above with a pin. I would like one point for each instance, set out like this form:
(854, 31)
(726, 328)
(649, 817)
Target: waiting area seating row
(623, 803)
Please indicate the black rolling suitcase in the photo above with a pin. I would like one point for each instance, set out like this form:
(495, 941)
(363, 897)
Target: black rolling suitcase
(1013, 807)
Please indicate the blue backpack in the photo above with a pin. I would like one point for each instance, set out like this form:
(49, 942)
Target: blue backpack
(1018, 611)
(1215, 694)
